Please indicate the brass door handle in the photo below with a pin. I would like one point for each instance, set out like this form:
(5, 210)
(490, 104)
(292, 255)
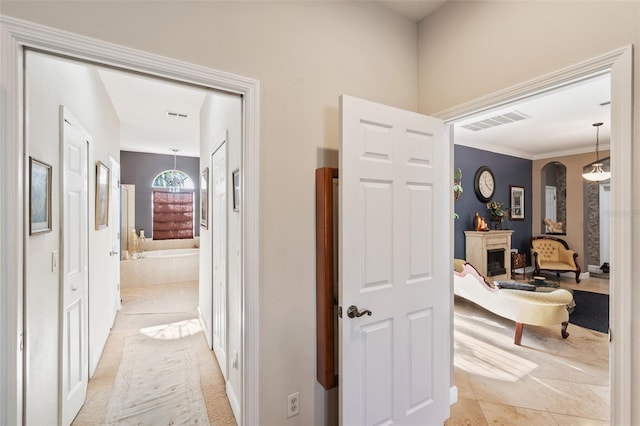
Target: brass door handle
(353, 312)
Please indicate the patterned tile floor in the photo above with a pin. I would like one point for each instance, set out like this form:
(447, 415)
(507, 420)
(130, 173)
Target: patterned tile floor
(546, 381)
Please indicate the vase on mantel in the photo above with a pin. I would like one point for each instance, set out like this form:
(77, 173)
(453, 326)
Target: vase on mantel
(497, 222)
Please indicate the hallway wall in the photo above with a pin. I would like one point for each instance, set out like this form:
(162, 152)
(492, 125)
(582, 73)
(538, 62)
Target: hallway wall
(51, 82)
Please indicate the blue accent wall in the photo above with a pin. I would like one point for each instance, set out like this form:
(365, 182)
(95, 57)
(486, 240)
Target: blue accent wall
(507, 170)
(140, 168)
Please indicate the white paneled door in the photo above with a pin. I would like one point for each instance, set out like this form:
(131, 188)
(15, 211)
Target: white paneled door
(394, 266)
(74, 367)
(219, 253)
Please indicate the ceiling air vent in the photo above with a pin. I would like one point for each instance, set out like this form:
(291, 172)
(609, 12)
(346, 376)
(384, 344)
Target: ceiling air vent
(176, 115)
(497, 120)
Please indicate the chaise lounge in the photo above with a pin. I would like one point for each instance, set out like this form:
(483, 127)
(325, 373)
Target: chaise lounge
(523, 307)
(553, 254)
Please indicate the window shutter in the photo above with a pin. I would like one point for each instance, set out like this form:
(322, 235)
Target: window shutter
(172, 215)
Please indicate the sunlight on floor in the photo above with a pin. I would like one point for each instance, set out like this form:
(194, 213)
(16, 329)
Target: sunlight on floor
(484, 359)
(174, 330)
(479, 319)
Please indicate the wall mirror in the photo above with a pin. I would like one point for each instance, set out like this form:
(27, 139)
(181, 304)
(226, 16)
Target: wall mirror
(554, 198)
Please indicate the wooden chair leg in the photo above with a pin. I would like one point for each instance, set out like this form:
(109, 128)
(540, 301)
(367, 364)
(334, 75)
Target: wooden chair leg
(564, 330)
(518, 337)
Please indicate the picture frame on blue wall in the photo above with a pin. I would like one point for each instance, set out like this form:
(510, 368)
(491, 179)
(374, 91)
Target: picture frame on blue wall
(517, 202)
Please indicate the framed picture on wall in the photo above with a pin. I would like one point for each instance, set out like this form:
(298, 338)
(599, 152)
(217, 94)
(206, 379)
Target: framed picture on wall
(39, 197)
(204, 198)
(517, 202)
(236, 190)
(103, 180)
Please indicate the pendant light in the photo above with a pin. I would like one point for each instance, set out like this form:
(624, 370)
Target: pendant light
(597, 174)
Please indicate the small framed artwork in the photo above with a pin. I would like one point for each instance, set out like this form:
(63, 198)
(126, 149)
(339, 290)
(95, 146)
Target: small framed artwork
(204, 198)
(236, 190)
(517, 202)
(39, 197)
(103, 180)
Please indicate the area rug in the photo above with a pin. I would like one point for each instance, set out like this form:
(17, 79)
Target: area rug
(591, 311)
(157, 383)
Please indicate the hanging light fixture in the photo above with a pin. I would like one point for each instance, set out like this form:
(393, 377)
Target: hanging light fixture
(597, 174)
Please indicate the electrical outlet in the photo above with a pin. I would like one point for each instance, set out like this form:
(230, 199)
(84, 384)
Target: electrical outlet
(293, 404)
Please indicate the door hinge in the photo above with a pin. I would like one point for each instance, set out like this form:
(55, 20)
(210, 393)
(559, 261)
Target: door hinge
(21, 343)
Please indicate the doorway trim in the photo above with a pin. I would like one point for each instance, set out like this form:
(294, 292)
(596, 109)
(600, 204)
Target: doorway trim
(15, 36)
(620, 64)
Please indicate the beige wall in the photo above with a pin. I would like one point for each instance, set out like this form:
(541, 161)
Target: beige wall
(305, 55)
(51, 82)
(468, 49)
(574, 226)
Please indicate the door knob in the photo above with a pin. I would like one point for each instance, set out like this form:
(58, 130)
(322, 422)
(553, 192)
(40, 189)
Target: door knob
(352, 312)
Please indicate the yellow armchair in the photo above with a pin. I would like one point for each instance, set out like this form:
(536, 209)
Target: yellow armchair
(553, 254)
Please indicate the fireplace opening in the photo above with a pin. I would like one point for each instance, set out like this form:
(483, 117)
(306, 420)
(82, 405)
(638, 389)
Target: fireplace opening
(495, 262)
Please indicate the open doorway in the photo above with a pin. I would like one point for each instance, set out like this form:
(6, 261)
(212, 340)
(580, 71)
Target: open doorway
(46, 147)
(478, 336)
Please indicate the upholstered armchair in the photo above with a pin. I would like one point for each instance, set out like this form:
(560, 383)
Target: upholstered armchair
(523, 307)
(553, 254)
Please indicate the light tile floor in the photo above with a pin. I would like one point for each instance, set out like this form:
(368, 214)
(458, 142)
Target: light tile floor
(546, 381)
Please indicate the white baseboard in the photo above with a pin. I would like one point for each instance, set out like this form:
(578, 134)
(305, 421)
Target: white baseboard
(205, 329)
(453, 395)
(233, 400)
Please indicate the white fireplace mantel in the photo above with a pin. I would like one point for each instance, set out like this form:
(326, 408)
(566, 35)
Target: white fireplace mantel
(478, 243)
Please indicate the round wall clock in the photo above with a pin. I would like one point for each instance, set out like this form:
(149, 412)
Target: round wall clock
(484, 184)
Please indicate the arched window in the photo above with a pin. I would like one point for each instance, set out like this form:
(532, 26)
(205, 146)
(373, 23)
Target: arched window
(173, 180)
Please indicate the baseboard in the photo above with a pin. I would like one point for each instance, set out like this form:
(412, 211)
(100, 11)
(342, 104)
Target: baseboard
(453, 395)
(205, 329)
(235, 405)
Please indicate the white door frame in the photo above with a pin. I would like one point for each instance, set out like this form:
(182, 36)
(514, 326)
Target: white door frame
(219, 308)
(15, 36)
(620, 63)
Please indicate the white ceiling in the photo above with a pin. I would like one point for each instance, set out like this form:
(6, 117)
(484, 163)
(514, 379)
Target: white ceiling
(559, 123)
(142, 104)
